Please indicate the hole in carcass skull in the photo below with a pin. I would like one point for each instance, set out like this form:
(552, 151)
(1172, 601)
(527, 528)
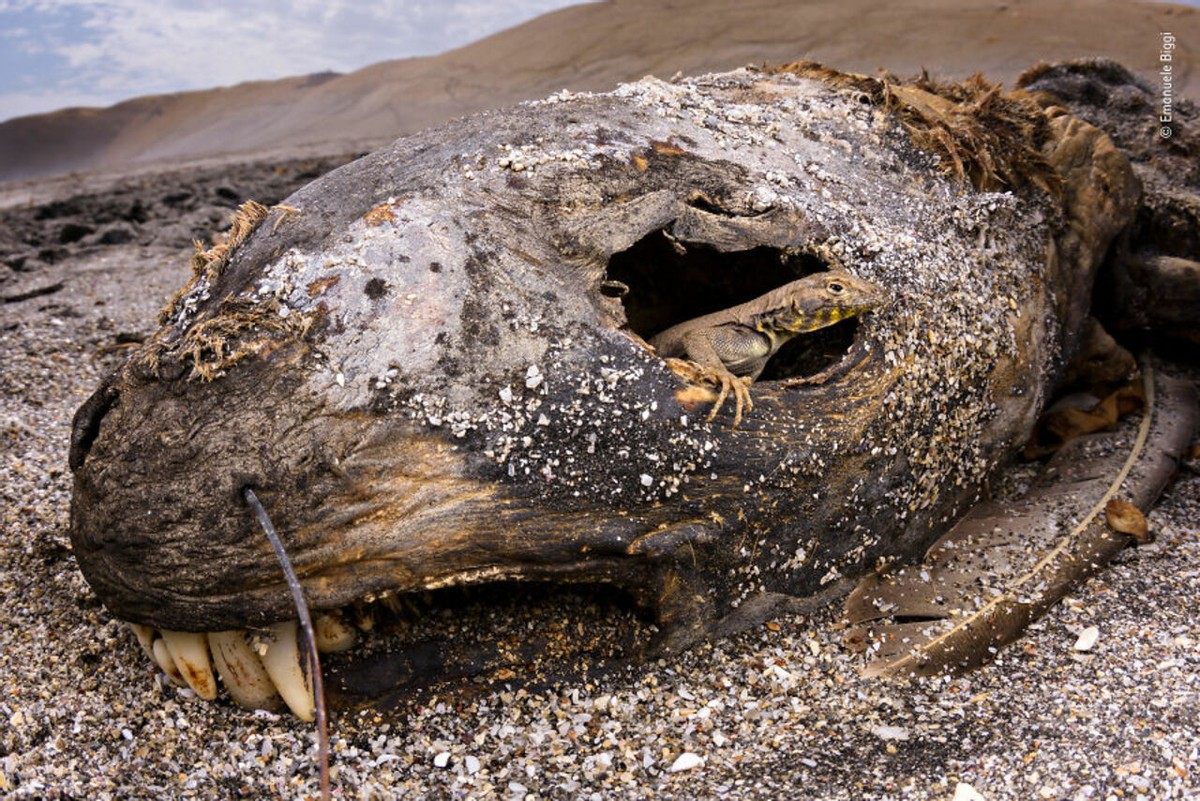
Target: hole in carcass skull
(663, 282)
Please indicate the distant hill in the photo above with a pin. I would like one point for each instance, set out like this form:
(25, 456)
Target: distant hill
(594, 47)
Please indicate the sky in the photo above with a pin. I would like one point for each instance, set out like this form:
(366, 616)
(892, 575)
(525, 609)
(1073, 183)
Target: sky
(60, 53)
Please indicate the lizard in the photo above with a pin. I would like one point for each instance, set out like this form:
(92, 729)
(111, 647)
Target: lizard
(731, 347)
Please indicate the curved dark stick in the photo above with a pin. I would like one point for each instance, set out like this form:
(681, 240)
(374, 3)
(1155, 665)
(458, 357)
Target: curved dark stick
(310, 639)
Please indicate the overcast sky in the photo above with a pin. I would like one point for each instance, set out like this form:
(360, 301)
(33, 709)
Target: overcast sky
(58, 53)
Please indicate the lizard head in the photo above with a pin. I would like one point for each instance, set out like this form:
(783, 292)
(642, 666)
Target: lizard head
(820, 300)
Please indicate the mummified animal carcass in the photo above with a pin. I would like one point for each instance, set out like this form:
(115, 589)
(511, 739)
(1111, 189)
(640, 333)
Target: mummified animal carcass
(432, 365)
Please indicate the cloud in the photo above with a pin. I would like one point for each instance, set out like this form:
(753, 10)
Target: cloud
(98, 53)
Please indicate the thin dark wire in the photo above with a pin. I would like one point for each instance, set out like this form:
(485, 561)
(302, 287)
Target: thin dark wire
(310, 639)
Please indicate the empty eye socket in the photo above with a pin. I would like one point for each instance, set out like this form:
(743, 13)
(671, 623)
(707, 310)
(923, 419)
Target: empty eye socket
(836, 287)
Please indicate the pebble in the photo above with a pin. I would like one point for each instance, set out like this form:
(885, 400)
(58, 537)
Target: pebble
(1087, 639)
(890, 732)
(965, 792)
(686, 761)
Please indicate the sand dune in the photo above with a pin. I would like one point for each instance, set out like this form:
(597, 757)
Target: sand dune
(593, 47)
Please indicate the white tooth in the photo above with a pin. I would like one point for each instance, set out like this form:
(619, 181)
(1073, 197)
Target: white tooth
(166, 662)
(282, 661)
(145, 636)
(333, 634)
(242, 671)
(189, 649)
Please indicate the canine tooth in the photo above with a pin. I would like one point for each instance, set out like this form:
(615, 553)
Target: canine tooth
(392, 603)
(282, 661)
(189, 649)
(166, 662)
(412, 608)
(145, 636)
(333, 634)
(364, 617)
(241, 670)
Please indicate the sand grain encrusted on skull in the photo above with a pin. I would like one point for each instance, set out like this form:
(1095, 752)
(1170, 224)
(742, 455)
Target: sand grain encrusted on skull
(471, 399)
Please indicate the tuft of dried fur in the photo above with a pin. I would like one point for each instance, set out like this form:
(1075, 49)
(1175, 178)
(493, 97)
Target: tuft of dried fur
(985, 136)
(207, 263)
(239, 328)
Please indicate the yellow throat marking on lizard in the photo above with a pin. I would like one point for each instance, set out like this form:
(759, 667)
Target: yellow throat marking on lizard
(794, 321)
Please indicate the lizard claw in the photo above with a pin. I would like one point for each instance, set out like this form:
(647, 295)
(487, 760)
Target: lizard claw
(725, 381)
(741, 396)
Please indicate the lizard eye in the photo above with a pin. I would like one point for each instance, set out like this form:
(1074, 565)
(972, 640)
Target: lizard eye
(836, 287)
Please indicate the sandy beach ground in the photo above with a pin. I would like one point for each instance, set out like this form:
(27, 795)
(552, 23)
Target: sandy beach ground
(778, 712)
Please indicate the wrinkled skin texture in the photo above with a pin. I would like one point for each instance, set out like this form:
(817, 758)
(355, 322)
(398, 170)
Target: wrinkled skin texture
(422, 367)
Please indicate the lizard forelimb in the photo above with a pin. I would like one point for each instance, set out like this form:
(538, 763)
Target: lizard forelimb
(730, 348)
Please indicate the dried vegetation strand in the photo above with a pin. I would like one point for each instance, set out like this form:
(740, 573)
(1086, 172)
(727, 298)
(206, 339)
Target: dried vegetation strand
(239, 329)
